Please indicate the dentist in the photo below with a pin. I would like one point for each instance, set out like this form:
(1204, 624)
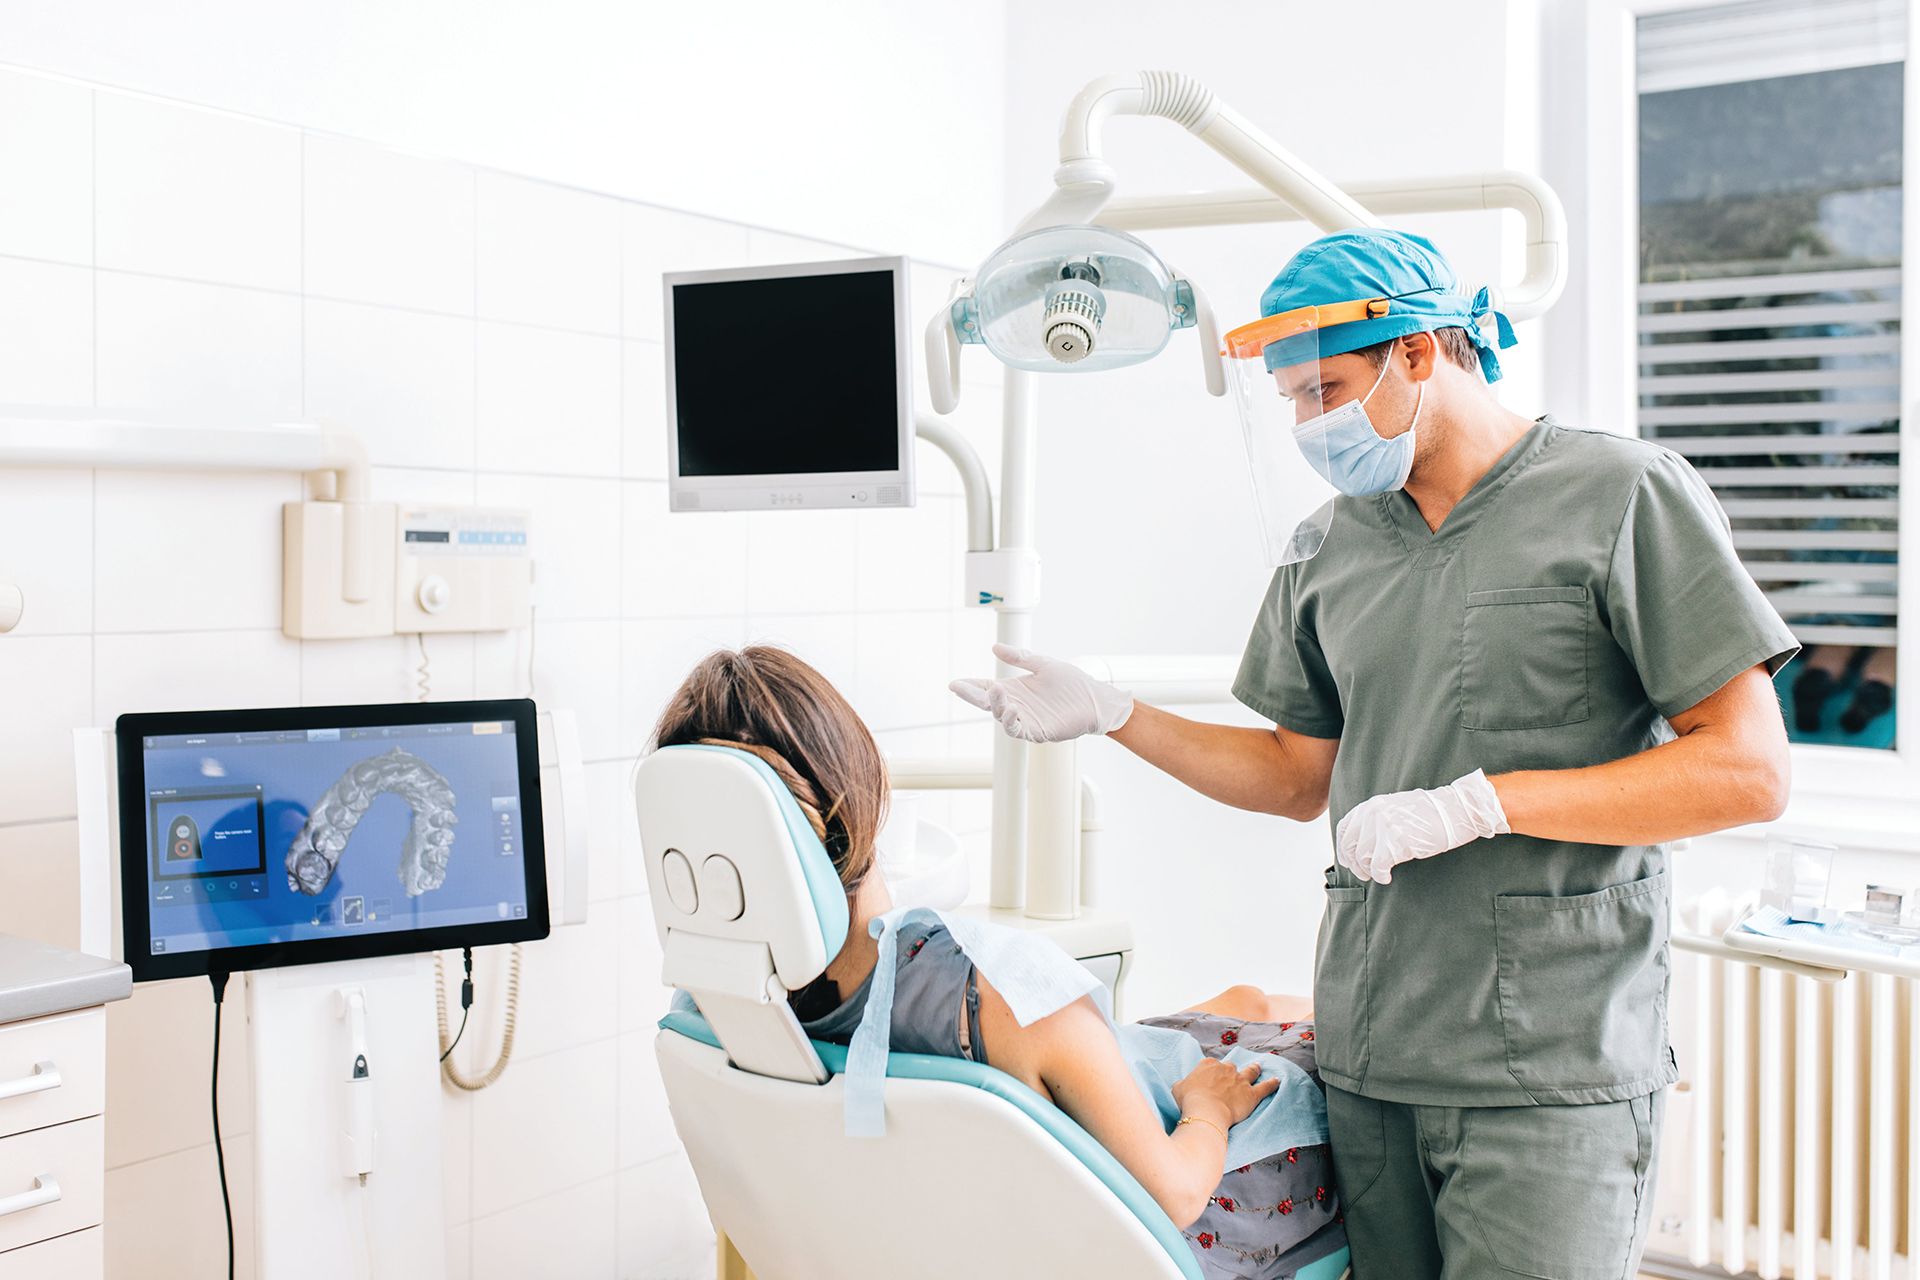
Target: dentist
(1510, 659)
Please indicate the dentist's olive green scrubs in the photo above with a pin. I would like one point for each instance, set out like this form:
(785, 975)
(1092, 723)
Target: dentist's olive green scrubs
(1493, 1023)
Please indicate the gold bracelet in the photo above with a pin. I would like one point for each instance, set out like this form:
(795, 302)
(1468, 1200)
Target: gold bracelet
(1201, 1120)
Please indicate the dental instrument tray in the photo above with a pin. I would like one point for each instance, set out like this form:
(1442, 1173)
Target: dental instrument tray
(296, 835)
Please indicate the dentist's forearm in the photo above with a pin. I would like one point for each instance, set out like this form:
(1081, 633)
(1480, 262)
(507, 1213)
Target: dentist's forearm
(1245, 767)
(1688, 787)
(1729, 766)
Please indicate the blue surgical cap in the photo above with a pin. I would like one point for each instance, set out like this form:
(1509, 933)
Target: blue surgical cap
(1372, 263)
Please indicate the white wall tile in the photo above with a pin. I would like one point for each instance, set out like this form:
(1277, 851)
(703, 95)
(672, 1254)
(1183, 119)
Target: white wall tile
(417, 485)
(184, 192)
(383, 669)
(46, 333)
(46, 151)
(613, 842)
(909, 559)
(159, 1058)
(385, 227)
(40, 867)
(577, 665)
(544, 1127)
(799, 561)
(575, 540)
(573, 1233)
(44, 685)
(549, 402)
(193, 669)
(403, 381)
(188, 550)
(460, 1252)
(547, 255)
(767, 248)
(563, 991)
(643, 997)
(46, 547)
(456, 1138)
(163, 1215)
(646, 1128)
(214, 353)
(665, 1233)
(901, 662)
(690, 564)
(654, 241)
(643, 411)
(655, 656)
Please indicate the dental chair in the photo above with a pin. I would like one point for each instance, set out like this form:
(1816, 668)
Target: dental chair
(977, 1174)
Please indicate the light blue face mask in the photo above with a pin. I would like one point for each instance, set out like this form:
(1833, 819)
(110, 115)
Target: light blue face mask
(1343, 446)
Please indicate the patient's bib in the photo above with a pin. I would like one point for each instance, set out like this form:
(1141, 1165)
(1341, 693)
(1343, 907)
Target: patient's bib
(1036, 978)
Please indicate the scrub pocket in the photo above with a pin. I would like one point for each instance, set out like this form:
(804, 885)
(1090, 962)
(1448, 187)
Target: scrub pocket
(1523, 658)
(1583, 986)
(1340, 984)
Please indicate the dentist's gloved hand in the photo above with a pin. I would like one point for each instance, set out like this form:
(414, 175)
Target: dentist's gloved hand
(1378, 835)
(1058, 701)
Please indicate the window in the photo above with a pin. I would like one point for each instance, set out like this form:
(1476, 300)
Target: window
(1769, 347)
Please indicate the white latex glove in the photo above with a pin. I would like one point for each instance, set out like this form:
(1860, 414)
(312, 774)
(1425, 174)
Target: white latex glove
(1378, 835)
(1057, 702)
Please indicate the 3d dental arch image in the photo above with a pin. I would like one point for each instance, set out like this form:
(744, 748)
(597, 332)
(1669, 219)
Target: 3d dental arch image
(315, 852)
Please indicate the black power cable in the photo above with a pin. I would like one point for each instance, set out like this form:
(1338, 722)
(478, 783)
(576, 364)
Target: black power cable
(219, 981)
(466, 1002)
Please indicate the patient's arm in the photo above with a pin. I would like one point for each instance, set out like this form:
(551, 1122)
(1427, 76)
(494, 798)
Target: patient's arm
(1071, 1057)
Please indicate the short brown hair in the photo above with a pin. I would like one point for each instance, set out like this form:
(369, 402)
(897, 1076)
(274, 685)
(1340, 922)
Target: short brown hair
(1454, 342)
(771, 703)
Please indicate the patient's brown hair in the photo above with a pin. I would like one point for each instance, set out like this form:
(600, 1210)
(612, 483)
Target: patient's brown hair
(769, 702)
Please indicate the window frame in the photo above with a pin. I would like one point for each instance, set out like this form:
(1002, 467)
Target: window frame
(1834, 788)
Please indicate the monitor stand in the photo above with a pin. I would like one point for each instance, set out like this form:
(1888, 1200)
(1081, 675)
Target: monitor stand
(313, 1216)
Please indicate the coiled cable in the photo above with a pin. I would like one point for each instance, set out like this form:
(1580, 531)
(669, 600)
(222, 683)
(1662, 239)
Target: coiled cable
(449, 1069)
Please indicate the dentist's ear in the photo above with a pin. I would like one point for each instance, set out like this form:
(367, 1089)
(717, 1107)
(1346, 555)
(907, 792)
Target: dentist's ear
(1421, 351)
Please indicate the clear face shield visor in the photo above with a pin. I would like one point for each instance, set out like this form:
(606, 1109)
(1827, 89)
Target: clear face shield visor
(1283, 394)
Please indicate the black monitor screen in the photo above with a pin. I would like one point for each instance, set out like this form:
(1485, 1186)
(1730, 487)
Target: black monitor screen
(283, 836)
(787, 376)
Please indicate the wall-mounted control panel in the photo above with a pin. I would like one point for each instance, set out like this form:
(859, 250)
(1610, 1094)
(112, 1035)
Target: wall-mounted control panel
(430, 569)
(462, 569)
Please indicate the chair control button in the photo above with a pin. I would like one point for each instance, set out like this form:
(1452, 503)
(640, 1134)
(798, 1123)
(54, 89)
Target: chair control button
(720, 882)
(681, 891)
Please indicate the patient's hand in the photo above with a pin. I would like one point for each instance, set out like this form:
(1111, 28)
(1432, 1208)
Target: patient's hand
(1218, 1091)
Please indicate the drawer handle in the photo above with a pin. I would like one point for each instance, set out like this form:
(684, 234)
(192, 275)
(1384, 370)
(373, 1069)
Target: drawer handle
(45, 1191)
(44, 1076)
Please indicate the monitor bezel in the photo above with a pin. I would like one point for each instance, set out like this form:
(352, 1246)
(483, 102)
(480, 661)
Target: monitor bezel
(806, 489)
(136, 925)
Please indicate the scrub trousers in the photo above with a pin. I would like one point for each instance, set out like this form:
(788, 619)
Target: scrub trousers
(1463, 1193)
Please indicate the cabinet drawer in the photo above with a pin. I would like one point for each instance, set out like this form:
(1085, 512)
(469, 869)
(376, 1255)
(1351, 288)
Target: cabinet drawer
(69, 1162)
(76, 1256)
(34, 1094)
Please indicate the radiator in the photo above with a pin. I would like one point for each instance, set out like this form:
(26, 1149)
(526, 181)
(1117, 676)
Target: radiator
(1792, 1145)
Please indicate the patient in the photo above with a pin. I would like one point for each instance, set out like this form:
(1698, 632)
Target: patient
(1266, 1219)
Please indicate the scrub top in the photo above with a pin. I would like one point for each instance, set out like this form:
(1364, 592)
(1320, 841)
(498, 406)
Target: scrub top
(1582, 592)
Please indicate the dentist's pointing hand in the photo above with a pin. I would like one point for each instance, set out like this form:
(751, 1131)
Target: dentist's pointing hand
(1056, 701)
(1378, 835)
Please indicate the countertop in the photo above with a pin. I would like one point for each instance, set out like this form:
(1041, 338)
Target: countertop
(37, 979)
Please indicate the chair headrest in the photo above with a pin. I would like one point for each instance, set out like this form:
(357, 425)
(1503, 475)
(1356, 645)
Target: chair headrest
(729, 855)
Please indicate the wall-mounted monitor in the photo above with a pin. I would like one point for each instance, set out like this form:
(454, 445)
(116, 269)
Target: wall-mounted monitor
(790, 386)
(251, 839)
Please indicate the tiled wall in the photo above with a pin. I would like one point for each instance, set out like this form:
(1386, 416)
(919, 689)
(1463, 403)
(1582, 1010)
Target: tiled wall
(494, 341)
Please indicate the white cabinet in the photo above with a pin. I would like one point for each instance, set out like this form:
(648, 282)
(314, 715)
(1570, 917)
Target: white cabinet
(52, 1146)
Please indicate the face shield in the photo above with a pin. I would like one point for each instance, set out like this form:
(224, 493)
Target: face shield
(1292, 411)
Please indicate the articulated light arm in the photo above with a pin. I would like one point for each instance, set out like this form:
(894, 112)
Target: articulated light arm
(1085, 180)
(1525, 193)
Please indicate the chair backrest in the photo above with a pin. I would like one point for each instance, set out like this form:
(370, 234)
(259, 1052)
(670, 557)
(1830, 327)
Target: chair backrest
(745, 898)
